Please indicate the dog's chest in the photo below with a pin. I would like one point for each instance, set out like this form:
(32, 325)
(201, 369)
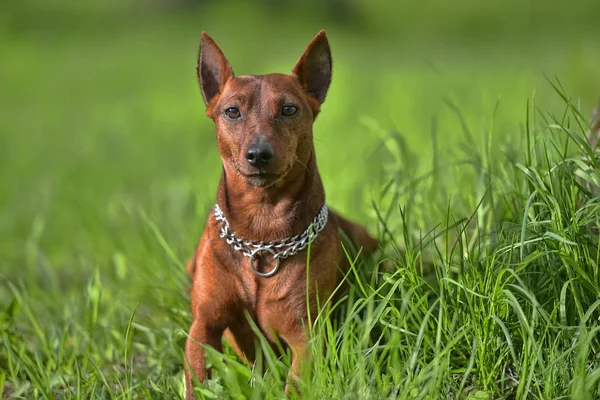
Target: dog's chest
(270, 300)
(257, 292)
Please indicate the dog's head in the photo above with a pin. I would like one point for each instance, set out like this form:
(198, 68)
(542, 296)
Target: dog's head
(264, 123)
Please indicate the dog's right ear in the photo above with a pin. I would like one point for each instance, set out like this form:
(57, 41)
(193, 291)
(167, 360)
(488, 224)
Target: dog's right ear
(213, 69)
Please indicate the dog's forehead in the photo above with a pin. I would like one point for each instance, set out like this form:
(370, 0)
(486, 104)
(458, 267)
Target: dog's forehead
(281, 83)
(271, 86)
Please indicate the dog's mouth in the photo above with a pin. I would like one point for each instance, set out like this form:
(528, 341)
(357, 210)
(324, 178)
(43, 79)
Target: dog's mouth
(261, 178)
(262, 175)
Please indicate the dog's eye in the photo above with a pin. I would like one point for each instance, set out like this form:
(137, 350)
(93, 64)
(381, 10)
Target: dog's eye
(288, 111)
(233, 112)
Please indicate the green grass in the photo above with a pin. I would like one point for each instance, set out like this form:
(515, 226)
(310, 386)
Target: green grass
(455, 152)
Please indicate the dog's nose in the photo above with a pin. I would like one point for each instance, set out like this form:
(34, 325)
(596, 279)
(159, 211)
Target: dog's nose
(259, 154)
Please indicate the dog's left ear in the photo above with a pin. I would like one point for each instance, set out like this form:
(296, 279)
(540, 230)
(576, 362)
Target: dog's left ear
(314, 67)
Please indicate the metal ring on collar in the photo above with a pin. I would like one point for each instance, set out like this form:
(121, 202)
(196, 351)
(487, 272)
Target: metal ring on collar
(264, 274)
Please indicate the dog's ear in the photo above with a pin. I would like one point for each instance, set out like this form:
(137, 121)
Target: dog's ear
(314, 67)
(213, 68)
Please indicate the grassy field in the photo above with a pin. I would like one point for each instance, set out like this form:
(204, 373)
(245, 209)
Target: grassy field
(456, 134)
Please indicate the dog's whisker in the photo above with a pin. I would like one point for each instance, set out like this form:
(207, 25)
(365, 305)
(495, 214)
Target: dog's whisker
(304, 165)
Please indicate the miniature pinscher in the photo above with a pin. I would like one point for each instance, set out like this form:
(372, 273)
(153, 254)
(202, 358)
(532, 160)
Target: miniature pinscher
(270, 209)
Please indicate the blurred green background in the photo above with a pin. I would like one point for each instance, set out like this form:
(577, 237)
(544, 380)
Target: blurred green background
(104, 143)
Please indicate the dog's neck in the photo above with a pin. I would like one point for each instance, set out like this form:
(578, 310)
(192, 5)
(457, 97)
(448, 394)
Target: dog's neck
(279, 211)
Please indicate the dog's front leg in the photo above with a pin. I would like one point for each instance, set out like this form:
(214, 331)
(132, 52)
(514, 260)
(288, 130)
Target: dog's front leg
(195, 366)
(299, 347)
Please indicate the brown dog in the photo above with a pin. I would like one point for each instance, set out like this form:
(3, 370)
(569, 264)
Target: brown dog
(270, 205)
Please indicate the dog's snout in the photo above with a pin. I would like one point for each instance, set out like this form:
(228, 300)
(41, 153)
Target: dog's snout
(259, 153)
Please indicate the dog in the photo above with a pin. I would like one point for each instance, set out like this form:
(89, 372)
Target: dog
(251, 261)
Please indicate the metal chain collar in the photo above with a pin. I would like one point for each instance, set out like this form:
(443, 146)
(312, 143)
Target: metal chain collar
(279, 249)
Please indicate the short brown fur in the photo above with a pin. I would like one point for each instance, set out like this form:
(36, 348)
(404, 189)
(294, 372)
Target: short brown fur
(268, 203)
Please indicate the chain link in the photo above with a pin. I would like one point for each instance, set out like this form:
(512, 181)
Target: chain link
(281, 249)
